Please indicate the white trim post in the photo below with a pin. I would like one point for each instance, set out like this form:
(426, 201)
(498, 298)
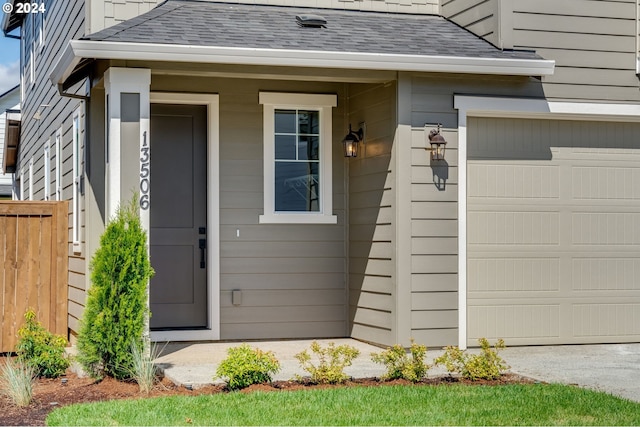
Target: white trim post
(117, 82)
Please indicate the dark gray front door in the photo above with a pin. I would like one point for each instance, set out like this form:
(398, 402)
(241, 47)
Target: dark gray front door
(178, 216)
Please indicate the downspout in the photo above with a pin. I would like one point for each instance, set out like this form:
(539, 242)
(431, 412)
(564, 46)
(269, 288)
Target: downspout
(62, 93)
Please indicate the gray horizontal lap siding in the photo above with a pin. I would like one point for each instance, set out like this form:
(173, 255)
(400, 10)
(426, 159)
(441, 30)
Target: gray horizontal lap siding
(401, 6)
(594, 43)
(292, 276)
(434, 199)
(478, 16)
(63, 21)
(371, 210)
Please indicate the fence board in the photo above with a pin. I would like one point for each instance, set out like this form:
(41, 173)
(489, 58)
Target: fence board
(10, 270)
(33, 266)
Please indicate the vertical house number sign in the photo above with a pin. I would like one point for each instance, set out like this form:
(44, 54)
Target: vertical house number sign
(144, 173)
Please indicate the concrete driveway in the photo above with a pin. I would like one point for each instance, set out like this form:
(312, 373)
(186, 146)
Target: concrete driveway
(612, 368)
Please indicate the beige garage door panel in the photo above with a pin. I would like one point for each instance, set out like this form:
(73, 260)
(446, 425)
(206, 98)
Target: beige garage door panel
(553, 231)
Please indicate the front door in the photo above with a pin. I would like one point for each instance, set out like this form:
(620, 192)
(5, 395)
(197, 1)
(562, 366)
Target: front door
(178, 290)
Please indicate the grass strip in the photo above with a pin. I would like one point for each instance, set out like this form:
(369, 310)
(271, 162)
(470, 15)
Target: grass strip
(533, 404)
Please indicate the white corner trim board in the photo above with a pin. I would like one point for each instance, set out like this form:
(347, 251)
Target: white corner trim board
(483, 106)
(80, 49)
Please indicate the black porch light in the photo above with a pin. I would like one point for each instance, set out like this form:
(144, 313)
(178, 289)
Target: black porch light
(437, 142)
(350, 142)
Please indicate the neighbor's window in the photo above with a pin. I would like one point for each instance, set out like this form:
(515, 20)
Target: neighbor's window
(47, 171)
(31, 179)
(76, 179)
(58, 175)
(297, 158)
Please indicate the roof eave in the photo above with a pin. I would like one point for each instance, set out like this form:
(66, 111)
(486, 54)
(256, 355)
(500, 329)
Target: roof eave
(11, 20)
(79, 49)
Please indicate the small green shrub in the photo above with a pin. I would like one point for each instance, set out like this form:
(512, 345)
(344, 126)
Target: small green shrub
(487, 365)
(245, 366)
(331, 362)
(116, 310)
(16, 381)
(41, 349)
(400, 366)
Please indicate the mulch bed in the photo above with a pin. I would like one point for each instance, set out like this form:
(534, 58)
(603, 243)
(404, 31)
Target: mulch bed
(53, 393)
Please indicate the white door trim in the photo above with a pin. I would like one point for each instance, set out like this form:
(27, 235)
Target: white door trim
(213, 215)
(485, 106)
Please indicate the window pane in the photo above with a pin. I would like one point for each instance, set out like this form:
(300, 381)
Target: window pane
(297, 186)
(285, 147)
(309, 122)
(308, 148)
(285, 121)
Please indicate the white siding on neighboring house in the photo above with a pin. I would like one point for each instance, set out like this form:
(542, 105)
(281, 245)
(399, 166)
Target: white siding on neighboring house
(10, 100)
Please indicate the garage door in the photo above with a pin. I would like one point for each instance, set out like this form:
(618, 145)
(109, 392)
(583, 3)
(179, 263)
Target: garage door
(553, 231)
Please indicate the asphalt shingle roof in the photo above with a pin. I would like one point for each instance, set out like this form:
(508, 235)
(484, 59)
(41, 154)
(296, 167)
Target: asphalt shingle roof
(207, 23)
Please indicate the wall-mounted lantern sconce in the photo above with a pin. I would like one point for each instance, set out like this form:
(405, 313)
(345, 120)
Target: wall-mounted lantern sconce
(350, 142)
(437, 142)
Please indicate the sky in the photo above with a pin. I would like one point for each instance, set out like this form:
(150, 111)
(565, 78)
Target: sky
(9, 63)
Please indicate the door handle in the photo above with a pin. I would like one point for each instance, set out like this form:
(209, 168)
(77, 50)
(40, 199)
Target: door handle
(203, 246)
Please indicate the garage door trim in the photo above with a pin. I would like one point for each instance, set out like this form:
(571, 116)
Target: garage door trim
(482, 106)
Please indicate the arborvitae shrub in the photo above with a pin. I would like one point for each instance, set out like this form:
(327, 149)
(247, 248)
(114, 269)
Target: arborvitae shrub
(115, 315)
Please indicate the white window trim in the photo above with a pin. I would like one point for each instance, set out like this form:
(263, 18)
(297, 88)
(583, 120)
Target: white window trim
(22, 173)
(487, 106)
(46, 155)
(31, 178)
(58, 174)
(292, 101)
(32, 67)
(76, 132)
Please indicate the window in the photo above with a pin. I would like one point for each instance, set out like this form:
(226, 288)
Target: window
(47, 171)
(41, 24)
(32, 78)
(297, 158)
(57, 184)
(22, 183)
(77, 132)
(31, 179)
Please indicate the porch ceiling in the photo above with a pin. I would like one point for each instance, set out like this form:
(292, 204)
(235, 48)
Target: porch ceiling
(223, 33)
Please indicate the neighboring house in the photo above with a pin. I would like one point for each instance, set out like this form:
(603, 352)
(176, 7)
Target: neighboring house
(9, 109)
(228, 118)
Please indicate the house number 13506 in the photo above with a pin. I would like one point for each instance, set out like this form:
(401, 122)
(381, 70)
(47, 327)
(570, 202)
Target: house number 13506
(144, 173)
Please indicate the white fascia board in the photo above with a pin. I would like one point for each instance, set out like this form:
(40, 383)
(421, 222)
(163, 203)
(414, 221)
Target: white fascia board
(298, 58)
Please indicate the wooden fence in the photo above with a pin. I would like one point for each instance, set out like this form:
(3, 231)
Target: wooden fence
(33, 266)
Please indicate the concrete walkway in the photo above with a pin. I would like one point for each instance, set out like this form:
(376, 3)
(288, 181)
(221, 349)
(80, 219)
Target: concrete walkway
(611, 368)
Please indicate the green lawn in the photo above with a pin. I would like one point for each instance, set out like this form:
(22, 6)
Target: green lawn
(392, 405)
